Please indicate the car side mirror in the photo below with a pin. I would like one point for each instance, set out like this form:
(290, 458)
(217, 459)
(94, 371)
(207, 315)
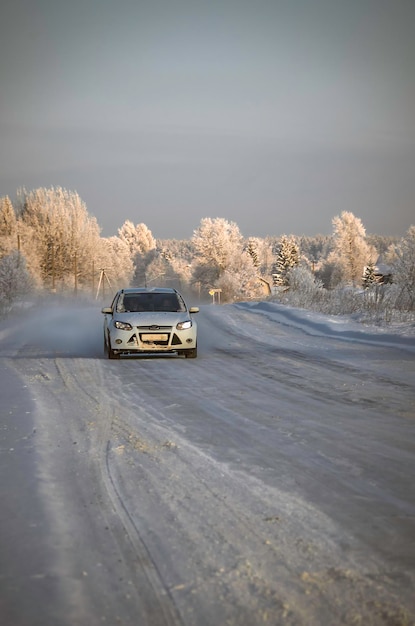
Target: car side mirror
(194, 309)
(107, 310)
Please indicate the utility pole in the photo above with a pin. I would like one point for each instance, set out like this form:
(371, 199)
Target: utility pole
(53, 268)
(18, 248)
(76, 272)
(102, 278)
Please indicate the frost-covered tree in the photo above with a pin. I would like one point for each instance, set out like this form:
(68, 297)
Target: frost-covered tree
(261, 251)
(8, 220)
(351, 253)
(314, 250)
(139, 238)
(159, 272)
(216, 241)
(221, 261)
(252, 249)
(288, 256)
(15, 280)
(381, 243)
(8, 227)
(404, 270)
(174, 260)
(369, 276)
(240, 280)
(305, 289)
(112, 265)
(60, 234)
(142, 246)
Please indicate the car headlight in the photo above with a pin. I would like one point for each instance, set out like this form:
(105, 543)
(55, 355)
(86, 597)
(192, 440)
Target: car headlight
(123, 325)
(184, 325)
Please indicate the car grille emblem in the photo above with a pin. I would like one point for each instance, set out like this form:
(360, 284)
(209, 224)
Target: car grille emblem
(154, 327)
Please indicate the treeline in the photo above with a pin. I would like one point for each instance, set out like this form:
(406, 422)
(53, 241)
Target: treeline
(48, 241)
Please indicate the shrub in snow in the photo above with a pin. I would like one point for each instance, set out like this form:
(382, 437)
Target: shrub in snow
(304, 289)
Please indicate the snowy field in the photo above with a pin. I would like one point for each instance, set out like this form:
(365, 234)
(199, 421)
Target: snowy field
(268, 481)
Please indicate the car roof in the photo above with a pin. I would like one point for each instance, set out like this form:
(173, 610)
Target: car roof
(148, 290)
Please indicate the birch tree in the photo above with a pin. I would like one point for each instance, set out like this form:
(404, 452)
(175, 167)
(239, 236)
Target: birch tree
(351, 253)
(56, 223)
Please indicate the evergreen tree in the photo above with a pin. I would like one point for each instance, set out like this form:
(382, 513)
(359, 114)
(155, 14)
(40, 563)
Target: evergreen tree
(252, 250)
(288, 256)
(369, 276)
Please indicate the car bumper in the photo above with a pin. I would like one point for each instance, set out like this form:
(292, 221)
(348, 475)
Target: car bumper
(140, 340)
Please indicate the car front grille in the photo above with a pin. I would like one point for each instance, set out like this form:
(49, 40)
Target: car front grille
(154, 328)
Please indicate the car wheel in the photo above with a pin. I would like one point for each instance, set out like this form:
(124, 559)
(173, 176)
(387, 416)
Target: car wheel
(112, 354)
(109, 351)
(105, 347)
(190, 354)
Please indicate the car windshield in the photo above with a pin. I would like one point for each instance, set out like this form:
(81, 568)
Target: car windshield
(141, 302)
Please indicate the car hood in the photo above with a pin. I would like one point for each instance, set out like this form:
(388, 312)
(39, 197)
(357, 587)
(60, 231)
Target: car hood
(153, 318)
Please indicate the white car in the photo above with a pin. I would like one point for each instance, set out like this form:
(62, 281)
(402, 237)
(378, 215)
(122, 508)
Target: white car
(156, 320)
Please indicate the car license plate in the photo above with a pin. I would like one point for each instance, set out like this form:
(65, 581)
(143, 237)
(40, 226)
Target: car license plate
(154, 337)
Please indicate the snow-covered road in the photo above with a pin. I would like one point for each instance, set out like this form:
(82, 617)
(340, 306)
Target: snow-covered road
(269, 481)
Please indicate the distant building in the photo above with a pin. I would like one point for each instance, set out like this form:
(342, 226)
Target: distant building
(383, 273)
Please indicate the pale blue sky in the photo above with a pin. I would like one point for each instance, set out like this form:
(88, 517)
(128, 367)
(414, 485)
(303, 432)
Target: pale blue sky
(277, 115)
